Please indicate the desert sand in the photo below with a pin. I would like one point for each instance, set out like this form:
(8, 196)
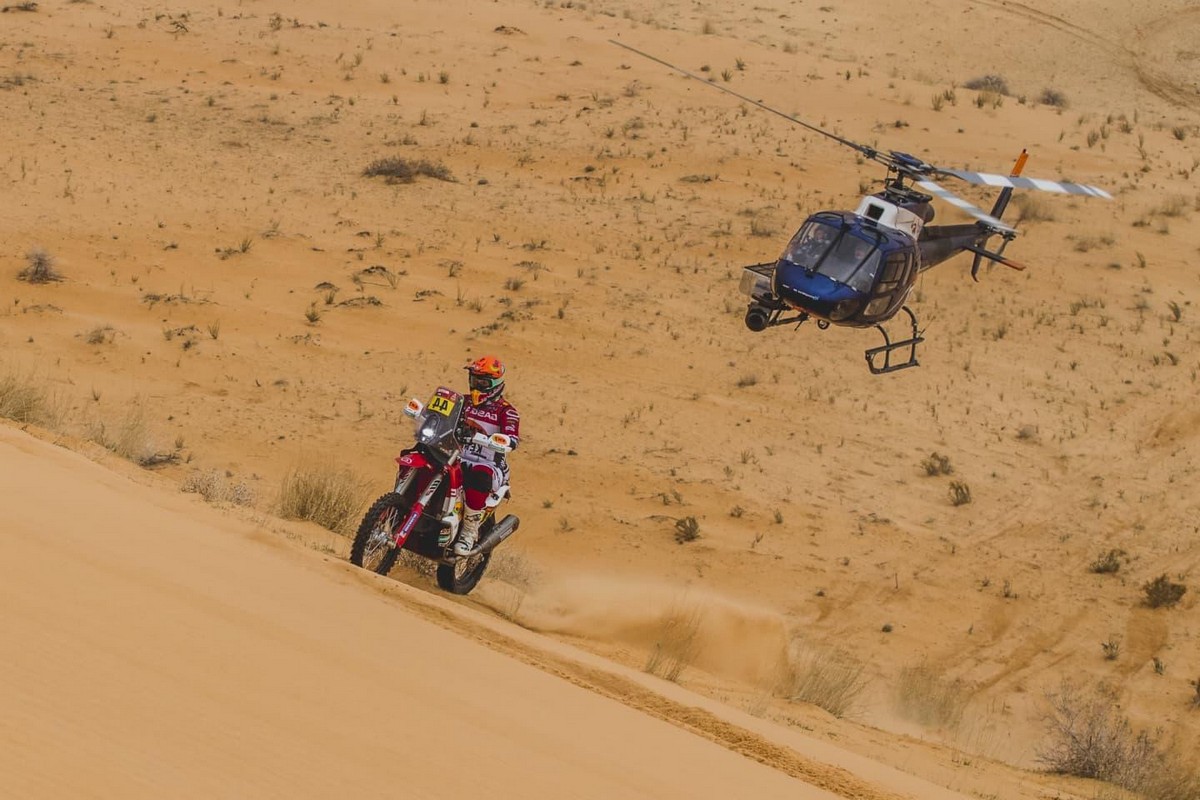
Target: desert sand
(241, 300)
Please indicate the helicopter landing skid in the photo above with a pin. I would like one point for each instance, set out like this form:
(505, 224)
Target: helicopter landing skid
(888, 347)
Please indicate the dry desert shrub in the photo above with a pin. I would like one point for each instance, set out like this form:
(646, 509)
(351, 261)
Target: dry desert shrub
(324, 494)
(403, 170)
(101, 334)
(830, 679)
(995, 84)
(937, 464)
(1033, 208)
(216, 487)
(1107, 563)
(130, 438)
(687, 529)
(926, 696)
(1053, 97)
(1089, 738)
(678, 641)
(26, 399)
(39, 267)
(1162, 592)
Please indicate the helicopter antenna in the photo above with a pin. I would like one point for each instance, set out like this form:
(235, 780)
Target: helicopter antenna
(869, 152)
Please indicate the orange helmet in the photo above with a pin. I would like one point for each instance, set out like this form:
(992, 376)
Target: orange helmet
(486, 379)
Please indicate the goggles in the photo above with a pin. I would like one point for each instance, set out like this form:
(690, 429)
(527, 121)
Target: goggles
(482, 383)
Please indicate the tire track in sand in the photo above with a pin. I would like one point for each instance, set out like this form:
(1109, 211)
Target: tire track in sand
(1159, 83)
(627, 692)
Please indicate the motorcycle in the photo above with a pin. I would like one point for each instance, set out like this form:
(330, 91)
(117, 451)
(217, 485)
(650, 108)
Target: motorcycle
(424, 512)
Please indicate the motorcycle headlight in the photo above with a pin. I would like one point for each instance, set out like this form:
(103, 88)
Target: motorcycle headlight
(427, 431)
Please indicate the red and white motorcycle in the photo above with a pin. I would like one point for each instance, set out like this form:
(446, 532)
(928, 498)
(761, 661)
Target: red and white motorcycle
(424, 512)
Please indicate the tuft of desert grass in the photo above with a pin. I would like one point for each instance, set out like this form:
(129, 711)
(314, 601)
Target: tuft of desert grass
(925, 695)
(28, 399)
(129, 437)
(217, 487)
(325, 494)
(1033, 208)
(677, 642)
(829, 679)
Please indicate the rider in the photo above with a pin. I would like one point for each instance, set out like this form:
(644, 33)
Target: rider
(484, 470)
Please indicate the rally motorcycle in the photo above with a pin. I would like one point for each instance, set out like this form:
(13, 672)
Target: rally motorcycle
(424, 512)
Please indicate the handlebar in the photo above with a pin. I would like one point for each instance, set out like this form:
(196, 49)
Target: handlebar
(497, 442)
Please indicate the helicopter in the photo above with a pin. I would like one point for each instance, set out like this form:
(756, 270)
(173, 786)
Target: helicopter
(857, 268)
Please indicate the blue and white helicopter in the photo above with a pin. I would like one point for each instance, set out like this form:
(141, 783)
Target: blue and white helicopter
(857, 268)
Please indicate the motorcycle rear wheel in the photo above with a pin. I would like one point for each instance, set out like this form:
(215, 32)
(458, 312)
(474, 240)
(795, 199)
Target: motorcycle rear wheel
(372, 548)
(463, 575)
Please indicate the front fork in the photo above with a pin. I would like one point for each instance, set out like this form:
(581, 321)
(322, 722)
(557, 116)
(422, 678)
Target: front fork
(452, 506)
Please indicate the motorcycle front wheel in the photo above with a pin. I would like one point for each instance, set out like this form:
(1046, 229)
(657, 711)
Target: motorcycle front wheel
(372, 548)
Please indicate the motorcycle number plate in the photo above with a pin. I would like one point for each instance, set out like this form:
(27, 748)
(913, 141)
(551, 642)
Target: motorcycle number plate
(441, 405)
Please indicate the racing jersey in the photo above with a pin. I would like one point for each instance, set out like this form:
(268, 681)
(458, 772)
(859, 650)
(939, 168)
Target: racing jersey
(498, 416)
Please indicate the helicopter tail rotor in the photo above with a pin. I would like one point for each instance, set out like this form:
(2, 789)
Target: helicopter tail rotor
(982, 253)
(1006, 193)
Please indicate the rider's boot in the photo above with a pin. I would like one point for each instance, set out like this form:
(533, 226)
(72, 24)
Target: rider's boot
(470, 532)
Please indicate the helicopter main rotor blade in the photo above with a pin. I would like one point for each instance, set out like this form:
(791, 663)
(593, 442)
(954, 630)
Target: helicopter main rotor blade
(869, 152)
(954, 200)
(1061, 187)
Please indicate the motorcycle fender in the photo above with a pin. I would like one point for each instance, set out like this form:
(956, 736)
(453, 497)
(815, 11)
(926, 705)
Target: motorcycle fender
(412, 460)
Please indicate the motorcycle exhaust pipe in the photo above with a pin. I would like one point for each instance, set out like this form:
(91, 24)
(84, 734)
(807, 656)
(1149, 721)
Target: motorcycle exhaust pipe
(499, 532)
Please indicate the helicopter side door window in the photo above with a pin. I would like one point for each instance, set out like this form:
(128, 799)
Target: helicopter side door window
(896, 271)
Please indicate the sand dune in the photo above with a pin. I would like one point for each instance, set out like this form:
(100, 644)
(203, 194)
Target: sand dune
(154, 646)
(239, 298)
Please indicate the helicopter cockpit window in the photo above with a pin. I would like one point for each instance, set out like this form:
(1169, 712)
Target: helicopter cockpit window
(842, 255)
(809, 245)
(852, 261)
